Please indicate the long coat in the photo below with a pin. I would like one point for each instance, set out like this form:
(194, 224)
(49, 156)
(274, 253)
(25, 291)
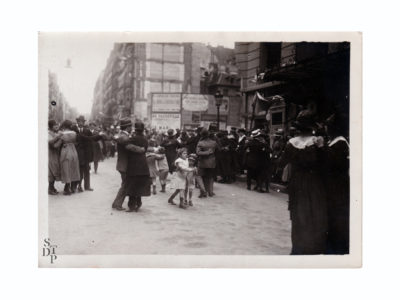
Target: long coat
(84, 144)
(307, 196)
(54, 157)
(206, 149)
(122, 160)
(170, 144)
(337, 182)
(69, 158)
(256, 154)
(138, 174)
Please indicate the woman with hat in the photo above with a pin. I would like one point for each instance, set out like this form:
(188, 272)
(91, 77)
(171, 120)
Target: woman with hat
(307, 197)
(138, 174)
(54, 156)
(256, 159)
(69, 161)
(337, 181)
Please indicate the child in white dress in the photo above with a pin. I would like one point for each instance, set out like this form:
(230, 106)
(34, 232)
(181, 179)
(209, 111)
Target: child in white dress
(180, 181)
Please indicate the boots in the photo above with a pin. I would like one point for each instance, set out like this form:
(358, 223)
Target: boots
(181, 205)
(52, 190)
(67, 189)
(162, 188)
(154, 190)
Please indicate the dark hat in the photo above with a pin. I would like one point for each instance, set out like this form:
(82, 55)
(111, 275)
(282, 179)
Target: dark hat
(170, 132)
(204, 133)
(304, 120)
(139, 126)
(52, 123)
(81, 118)
(242, 130)
(233, 128)
(125, 123)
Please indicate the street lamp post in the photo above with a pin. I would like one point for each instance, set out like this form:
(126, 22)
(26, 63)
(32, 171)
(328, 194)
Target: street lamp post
(218, 101)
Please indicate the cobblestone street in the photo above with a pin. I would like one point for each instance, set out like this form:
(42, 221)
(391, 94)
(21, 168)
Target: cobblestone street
(234, 222)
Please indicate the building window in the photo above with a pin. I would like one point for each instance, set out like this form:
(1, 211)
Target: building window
(153, 70)
(173, 53)
(173, 71)
(154, 51)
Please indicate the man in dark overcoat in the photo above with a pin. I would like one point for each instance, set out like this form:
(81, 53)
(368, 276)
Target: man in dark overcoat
(123, 148)
(84, 147)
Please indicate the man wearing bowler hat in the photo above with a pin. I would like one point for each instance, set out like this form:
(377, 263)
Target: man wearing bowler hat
(123, 147)
(84, 147)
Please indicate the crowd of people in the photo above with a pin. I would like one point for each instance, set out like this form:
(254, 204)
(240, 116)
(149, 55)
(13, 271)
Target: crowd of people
(315, 168)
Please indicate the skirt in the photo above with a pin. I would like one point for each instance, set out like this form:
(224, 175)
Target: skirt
(138, 185)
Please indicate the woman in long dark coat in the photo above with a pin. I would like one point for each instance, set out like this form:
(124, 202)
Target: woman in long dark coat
(307, 196)
(255, 160)
(170, 144)
(337, 182)
(138, 174)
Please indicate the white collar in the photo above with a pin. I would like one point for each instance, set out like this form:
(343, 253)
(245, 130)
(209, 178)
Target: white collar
(338, 139)
(302, 142)
(123, 131)
(241, 138)
(68, 131)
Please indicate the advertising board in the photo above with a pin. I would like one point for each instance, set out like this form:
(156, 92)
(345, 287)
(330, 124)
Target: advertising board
(166, 102)
(165, 121)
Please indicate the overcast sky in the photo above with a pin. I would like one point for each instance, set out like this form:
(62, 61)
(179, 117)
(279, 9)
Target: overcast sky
(88, 55)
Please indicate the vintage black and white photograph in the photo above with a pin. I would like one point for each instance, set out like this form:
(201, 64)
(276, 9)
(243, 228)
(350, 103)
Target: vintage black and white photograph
(199, 150)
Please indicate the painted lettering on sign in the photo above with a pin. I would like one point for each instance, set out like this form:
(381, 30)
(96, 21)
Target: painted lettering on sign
(166, 103)
(195, 102)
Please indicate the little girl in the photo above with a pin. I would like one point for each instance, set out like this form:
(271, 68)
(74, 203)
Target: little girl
(180, 182)
(162, 167)
(151, 162)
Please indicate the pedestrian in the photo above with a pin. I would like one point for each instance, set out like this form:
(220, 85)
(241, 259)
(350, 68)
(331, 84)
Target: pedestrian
(307, 196)
(224, 157)
(69, 160)
(198, 180)
(151, 157)
(255, 160)
(171, 144)
(337, 182)
(240, 149)
(180, 180)
(162, 167)
(55, 142)
(124, 147)
(193, 178)
(206, 149)
(97, 155)
(138, 174)
(84, 147)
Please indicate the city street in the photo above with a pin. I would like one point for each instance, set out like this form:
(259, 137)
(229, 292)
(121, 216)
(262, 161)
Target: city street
(234, 222)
